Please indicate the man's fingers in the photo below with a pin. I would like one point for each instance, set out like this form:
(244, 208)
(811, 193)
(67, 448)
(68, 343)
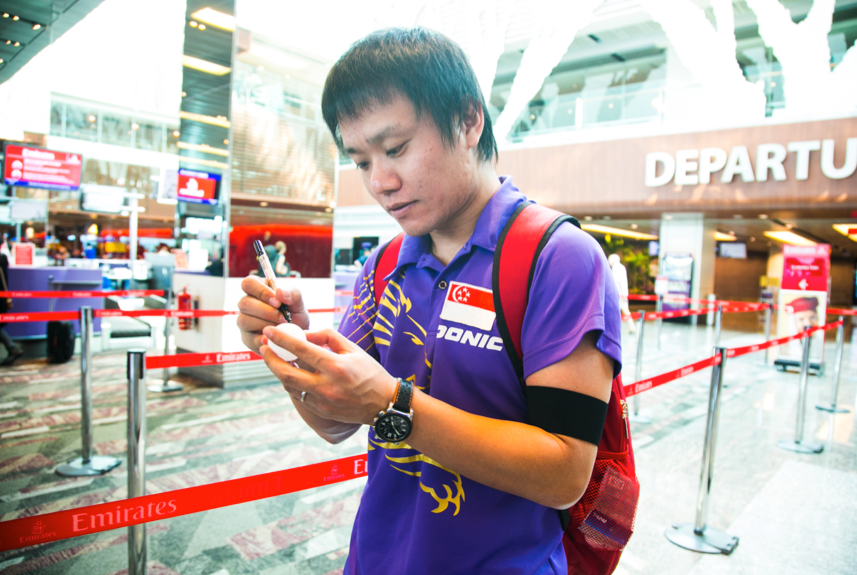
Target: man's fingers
(307, 352)
(255, 286)
(294, 379)
(292, 297)
(332, 339)
(252, 307)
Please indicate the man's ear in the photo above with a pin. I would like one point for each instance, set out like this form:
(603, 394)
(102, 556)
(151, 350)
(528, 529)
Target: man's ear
(472, 124)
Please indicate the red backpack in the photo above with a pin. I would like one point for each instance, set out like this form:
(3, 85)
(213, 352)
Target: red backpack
(597, 527)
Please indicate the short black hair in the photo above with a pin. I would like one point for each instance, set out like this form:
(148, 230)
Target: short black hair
(425, 66)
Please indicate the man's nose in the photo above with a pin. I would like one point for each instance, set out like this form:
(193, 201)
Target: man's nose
(384, 179)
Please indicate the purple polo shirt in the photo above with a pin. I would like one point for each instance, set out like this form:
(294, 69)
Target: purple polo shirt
(417, 516)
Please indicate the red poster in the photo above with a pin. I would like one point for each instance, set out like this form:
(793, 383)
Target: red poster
(27, 166)
(24, 254)
(806, 268)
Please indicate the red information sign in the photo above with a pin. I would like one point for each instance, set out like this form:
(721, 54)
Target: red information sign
(24, 254)
(806, 268)
(198, 187)
(32, 167)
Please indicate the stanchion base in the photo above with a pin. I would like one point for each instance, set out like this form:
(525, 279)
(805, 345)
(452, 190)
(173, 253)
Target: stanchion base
(165, 387)
(98, 465)
(832, 409)
(800, 446)
(709, 541)
(639, 419)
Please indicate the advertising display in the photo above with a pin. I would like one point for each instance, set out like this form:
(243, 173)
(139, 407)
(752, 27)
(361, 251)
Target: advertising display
(23, 254)
(678, 269)
(198, 187)
(31, 167)
(803, 298)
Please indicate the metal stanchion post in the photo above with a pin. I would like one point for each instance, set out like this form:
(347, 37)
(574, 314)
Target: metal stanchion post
(659, 307)
(798, 444)
(87, 464)
(136, 454)
(837, 369)
(698, 536)
(167, 385)
(768, 313)
(718, 324)
(635, 416)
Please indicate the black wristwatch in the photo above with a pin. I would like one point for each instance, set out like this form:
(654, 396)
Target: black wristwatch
(395, 424)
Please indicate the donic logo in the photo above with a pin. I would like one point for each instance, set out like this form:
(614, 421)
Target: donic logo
(467, 337)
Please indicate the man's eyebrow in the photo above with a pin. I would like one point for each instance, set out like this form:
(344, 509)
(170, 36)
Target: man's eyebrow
(385, 133)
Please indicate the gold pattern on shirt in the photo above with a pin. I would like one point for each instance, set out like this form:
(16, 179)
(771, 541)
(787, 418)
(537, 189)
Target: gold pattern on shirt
(442, 502)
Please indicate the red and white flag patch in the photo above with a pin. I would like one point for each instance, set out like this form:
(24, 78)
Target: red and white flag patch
(470, 305)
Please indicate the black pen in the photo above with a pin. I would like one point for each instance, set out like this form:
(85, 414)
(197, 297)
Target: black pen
(270, 278)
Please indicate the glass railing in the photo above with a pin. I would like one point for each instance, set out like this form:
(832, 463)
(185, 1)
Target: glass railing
(93, 125)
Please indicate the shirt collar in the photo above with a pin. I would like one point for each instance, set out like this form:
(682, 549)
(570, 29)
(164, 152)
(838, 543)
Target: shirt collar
(490, 224)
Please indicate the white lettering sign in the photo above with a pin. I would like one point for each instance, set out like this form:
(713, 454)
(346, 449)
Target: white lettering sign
(692, 167)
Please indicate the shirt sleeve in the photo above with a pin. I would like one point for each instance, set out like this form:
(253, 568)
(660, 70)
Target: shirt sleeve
(359, 318)
(572, 293)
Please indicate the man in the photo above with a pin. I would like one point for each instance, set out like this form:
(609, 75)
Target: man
(465, 485)
(620, 276)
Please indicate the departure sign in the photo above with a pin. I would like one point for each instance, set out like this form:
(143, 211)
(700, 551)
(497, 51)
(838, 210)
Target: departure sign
(198, 187)
(31, 167)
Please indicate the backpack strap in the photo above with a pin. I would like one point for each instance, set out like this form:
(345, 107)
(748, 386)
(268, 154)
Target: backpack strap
(385, 264)
(525, 236)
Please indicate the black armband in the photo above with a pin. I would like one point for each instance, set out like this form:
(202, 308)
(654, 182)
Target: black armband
(568, 413)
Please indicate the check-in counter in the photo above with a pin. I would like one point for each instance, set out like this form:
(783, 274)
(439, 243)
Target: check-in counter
(221, 334)
(27, 278)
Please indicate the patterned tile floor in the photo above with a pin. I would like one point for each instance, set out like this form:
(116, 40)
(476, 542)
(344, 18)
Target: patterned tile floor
(202, 435)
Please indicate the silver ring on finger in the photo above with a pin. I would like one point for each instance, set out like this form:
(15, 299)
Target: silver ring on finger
(303, 396)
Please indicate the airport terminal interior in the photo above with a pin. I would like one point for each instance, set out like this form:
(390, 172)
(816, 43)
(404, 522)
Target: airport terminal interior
(710, 145)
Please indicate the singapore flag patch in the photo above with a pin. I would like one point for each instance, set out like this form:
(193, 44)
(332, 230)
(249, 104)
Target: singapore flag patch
(470, 305)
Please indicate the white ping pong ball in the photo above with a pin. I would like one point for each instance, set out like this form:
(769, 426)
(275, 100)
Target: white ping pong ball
(288, 329)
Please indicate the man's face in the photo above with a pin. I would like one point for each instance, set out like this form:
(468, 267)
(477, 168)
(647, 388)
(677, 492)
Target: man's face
(405, 166)
(806, 319)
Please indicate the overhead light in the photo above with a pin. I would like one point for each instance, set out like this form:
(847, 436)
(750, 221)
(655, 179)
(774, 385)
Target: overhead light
(849, 230)
(617, 232)
(1, 60)
(634, 226)
(263, 204)
(215, 18)
(193, 24)
(36, 26)
(16, 18)
(226, 142)
(790, 238)
(16, 44)
(5, 14)
(202, 148)
(176, 133)
(763, 216)
(202, 26)
(184, 94)
(135, 126)
(205, 66)
(587, 218)
(91, 118)
(218, 121)
(721, 237)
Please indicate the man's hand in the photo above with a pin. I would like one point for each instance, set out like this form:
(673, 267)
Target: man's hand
(259, 308)
(348, 385)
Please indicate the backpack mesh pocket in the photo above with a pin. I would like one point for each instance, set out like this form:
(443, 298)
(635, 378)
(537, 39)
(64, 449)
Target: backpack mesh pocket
(604, 516)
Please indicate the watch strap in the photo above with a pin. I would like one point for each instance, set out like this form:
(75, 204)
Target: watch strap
(404, 395)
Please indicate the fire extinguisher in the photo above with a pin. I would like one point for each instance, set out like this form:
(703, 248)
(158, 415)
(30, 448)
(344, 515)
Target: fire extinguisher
(185, 304)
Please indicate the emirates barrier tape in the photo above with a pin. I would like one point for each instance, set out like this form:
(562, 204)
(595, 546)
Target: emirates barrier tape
(841, 311)
(647, 384)
(199, 359)
(60, 525)
(739, 351)
(39, 316)
(79, 293)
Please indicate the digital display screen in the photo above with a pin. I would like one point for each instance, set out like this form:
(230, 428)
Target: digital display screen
(198, 187)
(32, 167)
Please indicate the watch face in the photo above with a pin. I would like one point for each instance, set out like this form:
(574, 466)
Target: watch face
(393, 427)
